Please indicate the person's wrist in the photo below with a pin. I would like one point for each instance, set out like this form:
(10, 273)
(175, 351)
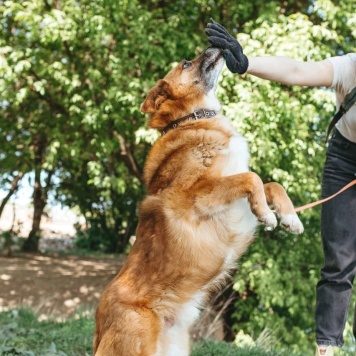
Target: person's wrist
(245, 65)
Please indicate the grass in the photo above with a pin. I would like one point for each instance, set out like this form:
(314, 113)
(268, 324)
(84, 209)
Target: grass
(214, 348)
(22, 334)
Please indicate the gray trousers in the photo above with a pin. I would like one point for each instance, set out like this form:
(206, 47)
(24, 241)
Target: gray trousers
(338, 231)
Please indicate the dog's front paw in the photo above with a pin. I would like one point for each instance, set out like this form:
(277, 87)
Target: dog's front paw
(292, 223)
(269, 220)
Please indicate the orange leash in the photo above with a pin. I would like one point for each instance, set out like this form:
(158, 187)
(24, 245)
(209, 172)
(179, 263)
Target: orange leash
(311, 205)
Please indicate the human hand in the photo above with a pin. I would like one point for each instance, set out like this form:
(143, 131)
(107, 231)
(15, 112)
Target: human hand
(218, 37)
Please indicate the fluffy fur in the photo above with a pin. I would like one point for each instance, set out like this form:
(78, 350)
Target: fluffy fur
(200, 214)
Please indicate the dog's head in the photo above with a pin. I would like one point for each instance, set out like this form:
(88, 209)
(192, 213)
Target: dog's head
(188, 87)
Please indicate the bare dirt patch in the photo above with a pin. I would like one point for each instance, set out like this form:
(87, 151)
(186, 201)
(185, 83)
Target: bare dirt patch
(55, 286)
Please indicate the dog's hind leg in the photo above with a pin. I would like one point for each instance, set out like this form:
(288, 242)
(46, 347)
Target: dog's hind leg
(278, 198)
(131, 332)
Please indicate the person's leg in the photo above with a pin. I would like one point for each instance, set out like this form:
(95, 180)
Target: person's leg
(338, 229)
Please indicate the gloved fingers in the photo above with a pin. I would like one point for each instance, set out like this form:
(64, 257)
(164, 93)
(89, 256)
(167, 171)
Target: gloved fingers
(227, 54)
(230, 54)
(218, 25)
(210, 32)
(231, 62)
(218, 42)
(218, 28)
(236, 64)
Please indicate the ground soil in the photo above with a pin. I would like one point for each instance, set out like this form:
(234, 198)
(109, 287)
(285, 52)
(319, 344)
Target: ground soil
(62, 286)
(55, 286)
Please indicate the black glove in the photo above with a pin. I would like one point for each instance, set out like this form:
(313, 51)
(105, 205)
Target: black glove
(218, 37)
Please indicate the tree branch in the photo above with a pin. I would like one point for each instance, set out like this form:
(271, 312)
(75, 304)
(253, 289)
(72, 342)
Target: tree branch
(69, 53)
(129, 159)
(14, 187)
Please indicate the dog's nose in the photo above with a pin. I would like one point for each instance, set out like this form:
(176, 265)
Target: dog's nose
(212, 52)
(212, 49)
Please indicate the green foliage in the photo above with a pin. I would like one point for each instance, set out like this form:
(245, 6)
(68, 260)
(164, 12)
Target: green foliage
(214, 348)
(98, 238)
(72, 78)
(286, 129)
(22, 334)
(5, 239)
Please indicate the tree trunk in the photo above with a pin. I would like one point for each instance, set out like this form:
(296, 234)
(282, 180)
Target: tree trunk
(39, 203)
(31, 244)
(14, 187)
(39, 196)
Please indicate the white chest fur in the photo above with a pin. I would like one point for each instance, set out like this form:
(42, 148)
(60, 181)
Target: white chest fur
(237, 156)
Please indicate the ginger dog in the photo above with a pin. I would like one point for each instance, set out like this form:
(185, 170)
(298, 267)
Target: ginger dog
(200, 214)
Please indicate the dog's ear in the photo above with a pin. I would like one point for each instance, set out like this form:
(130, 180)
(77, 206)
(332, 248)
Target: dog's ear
(156, 96)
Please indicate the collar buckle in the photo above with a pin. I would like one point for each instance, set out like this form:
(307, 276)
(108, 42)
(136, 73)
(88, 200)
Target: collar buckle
(198, 114)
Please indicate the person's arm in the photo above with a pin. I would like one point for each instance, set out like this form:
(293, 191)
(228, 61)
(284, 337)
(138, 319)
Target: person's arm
(292, 72)
(280, 69)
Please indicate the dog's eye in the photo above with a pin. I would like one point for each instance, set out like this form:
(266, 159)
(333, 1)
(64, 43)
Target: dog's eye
(186, 64)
